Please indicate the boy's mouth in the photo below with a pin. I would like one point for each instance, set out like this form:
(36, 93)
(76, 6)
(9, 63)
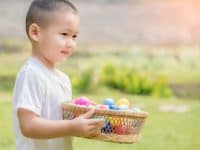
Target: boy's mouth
(65, 52)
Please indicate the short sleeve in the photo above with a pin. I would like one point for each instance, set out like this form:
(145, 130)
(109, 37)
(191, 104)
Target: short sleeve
(28, 92)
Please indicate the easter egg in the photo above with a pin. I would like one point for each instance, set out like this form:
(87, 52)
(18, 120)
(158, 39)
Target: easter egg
(82, 101)
(106, 107)
(107, 119)
(123, 107)
(109, 101)
(115, 121)
(107, 129)
(122, 101)
(113, 107)
(121, 129)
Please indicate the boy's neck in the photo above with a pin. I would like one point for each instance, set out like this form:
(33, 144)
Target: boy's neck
(43, 60)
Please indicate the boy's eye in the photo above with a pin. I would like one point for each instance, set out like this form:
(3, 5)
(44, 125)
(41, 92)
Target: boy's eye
(74, 36)
(64, 34)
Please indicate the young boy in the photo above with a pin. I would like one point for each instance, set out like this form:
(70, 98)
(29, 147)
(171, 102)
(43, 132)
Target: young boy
(52, 27)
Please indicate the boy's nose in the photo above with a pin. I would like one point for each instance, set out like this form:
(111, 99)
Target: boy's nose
(71, 43)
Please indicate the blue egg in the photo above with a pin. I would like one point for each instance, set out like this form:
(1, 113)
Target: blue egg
(109, 101)
(107, 129)
(113, 107)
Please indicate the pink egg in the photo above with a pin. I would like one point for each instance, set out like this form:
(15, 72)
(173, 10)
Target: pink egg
(102, 107)
(83, 101)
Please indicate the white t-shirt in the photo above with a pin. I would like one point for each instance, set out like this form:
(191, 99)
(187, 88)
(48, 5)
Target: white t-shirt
(41, 91)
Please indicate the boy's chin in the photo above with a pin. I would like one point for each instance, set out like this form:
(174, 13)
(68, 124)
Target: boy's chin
(62, 59)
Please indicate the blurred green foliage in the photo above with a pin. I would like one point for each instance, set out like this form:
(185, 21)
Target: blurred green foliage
(133, 82)
(6, 82)
(83, 82)
(122, 78)
(135, 70)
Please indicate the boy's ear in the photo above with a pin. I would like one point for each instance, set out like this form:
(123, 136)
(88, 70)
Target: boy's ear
(34, 32)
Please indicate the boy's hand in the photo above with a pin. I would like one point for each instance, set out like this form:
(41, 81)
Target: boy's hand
(85, 126)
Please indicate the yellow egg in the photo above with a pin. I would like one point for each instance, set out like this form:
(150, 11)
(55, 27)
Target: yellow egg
(122, 101)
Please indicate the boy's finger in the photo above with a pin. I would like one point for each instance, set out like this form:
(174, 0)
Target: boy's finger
(94, 132)
(99, 122)
(88, 114)
(95, 128)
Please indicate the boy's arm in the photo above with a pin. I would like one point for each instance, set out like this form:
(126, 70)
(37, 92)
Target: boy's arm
(33, 126)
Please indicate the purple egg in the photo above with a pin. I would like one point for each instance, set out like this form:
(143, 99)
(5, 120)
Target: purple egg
(123, 107)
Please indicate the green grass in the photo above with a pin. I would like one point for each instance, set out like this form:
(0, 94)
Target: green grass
(162, 130)
(6, 130)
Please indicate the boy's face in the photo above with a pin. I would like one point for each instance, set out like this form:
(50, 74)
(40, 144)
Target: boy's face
(57, 40)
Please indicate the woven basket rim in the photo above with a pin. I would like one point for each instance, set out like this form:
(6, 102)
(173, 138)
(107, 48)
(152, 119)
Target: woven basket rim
(130, 114)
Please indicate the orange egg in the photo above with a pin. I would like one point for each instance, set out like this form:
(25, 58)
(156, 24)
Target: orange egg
(115, 121)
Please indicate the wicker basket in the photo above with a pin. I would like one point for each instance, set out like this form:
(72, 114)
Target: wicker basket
(121, 126)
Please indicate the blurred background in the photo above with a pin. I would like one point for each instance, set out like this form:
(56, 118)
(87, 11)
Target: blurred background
(146, 51)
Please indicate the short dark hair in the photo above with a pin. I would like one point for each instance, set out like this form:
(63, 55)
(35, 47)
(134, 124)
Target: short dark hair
(39, 11)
